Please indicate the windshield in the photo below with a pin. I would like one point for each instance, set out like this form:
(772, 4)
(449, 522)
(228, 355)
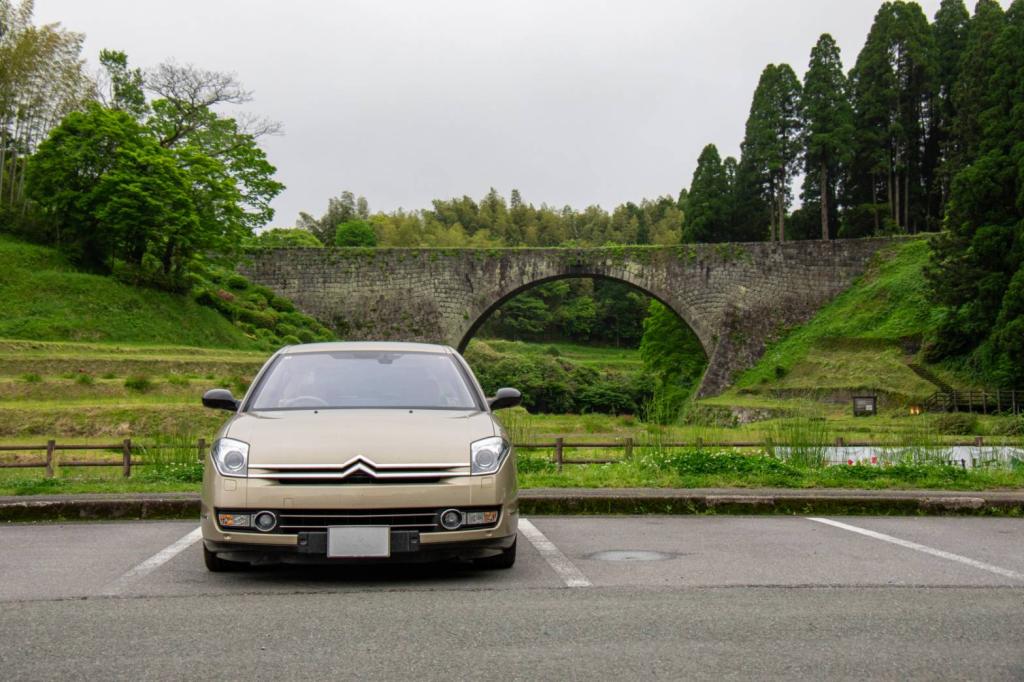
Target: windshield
(364, 379)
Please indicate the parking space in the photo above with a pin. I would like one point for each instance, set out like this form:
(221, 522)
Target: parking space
(589, 597)
(156, 559)
(778, 550)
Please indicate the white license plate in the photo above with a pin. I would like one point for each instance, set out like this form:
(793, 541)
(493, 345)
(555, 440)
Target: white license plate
(358, 541)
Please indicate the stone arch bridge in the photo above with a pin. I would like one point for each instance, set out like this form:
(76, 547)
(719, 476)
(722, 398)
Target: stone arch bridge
(735, 297)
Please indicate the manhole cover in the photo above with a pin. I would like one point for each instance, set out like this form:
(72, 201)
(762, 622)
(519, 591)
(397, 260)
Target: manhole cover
(630, 555)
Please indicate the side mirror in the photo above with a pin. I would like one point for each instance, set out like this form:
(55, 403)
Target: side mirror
(220, 399)
(505, 397)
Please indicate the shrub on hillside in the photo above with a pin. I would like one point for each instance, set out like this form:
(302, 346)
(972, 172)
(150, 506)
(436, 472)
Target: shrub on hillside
(956, 424)
(270, 320)
(557, 385)
(138, 383)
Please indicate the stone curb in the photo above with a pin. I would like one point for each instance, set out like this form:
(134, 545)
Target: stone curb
(574, 501)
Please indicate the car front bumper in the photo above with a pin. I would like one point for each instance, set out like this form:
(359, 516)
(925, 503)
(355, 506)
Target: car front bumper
(496, 492)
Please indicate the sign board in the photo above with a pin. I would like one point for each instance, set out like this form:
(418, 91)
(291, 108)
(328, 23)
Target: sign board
(865, 405)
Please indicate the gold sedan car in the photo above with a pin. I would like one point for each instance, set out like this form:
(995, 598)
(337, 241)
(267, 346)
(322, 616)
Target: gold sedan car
(361, 452)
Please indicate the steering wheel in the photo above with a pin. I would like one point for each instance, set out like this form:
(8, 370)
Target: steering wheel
(309, 400)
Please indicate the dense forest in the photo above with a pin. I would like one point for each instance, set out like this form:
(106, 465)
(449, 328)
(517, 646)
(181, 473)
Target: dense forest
(137, 174)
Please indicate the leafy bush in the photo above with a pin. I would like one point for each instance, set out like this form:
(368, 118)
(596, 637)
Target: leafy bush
(139, 383)
(31, 378)
(557, 385)
(956, 424)
(84, 380)
(355, 233)
(270, 320)
(279, 237)
(703, 462)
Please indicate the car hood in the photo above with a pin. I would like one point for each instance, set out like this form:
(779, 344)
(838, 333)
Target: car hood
(398, 436)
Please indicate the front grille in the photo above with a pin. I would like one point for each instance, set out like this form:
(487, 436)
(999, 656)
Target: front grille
(359, 479)
(296, 520)
(358, 470)
(423, 520)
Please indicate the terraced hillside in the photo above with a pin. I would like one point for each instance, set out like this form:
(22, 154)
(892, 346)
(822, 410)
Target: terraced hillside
(85, 390)
(868, 340)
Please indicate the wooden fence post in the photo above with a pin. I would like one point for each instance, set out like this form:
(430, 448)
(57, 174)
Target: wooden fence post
(126, 454)
(559, 445)
(51, 445)
(202, 449)
(629, 447)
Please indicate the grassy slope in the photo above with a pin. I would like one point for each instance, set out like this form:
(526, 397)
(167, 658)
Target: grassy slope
(856, 343)
(44, 298)
(598, 357)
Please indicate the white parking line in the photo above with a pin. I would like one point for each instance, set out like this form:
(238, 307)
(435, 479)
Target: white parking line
(1005, 572)
(565, 569)
(152, 563)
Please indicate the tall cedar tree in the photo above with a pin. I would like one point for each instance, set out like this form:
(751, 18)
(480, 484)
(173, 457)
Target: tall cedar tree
(709, 200)
(891, 87)
(971, 94)
(949, 32)
(828, 132)
(977, 269)
(772, 144)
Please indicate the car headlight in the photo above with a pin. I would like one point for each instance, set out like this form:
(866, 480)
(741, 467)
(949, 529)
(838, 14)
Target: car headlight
(231, 457)
(487, 454)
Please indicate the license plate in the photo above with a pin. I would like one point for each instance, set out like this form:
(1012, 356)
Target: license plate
(358, 541)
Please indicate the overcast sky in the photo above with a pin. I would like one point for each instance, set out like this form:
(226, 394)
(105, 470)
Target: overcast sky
(572, 101)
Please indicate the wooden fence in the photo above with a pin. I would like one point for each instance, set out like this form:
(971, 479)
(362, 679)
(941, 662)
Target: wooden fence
(125, 448)
(128, 457)
(628, 445)
(985, 402)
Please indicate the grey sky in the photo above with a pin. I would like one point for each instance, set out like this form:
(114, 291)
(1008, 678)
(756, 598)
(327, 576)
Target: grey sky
(572, 101)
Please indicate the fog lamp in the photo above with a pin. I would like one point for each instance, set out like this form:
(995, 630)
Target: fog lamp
(228, 520)
(481, 518)
(264, 521)
(451, 519)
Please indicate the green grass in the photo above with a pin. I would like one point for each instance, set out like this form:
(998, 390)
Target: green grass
(45, 298)
(863, 341)
(598, 357)
(176, 470)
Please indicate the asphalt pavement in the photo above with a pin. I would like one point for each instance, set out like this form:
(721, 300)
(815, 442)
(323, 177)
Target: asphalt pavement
(608, 597)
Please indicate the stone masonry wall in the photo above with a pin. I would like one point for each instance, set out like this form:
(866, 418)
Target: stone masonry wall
(736, 297)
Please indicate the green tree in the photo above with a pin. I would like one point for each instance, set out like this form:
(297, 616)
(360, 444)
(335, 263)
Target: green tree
(340, 209)
(828, 139)
(772, 143)
(976, 266)
(891, 86)
(116, 195)
(672, 353)
(126, 84)
(709, 200)
(971, 95)
(284, 237)
(949, 32)
(355, 233)
(42, 79)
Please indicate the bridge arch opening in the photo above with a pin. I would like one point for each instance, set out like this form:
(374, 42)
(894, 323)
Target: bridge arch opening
(596, 322)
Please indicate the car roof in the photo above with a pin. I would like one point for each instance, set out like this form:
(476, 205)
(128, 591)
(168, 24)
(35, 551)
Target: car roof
(385, 346)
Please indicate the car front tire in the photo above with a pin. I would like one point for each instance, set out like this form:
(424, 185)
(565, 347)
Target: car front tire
(215, 564)
(506, 559)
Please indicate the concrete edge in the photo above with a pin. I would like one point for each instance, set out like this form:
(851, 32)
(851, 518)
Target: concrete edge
(571, 501)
